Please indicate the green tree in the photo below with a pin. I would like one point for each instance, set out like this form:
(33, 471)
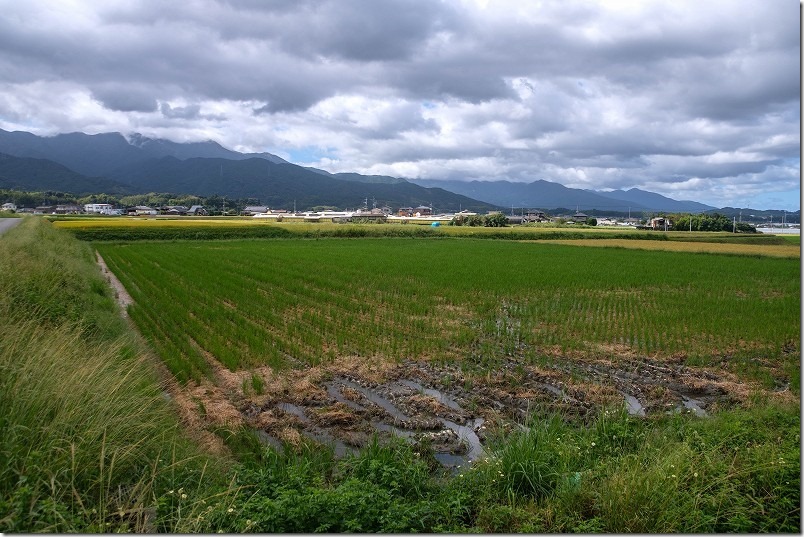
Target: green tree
(495, 220)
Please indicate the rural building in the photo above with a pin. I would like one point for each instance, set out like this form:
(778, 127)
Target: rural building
(579, 217)
(376, 215)
(197, 210)
(251, 210)
(535, 216)
(422, 210)
(174, 210)
(661, 223)
(97, 208)
(8, 207)
(141, 210)
(405, 211)
(68, 208)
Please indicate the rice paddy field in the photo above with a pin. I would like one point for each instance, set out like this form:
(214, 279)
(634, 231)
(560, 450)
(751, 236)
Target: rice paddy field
(252, 303)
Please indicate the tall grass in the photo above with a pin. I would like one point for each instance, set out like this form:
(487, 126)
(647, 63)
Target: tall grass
(87, 439)
(736, 472)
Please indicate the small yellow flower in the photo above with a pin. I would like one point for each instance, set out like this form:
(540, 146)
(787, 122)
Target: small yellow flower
(593, 444)
(183, 496)
(695, 474)
(230, 510)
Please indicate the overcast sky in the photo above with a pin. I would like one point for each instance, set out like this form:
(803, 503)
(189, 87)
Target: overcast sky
(691, 99)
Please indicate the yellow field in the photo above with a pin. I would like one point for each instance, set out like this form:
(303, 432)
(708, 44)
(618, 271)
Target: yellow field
(679, 241)
(142, 222)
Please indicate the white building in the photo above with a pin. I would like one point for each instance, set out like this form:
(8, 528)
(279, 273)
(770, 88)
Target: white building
(98, 208)
(8, 207)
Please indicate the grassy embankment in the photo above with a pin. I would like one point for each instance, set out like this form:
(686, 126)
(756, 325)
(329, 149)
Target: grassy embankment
(91, 446)
(88, 441)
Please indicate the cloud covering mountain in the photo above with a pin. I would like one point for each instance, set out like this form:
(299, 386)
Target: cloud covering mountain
(692, 100)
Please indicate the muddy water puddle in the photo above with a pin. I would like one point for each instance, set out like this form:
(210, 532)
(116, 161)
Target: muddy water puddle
(453, 414)
(354, 410)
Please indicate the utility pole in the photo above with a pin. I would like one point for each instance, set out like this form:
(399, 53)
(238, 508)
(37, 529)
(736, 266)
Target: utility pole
(734, 224)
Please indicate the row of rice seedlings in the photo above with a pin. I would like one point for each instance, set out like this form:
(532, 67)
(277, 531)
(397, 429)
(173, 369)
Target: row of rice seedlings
(362, 319)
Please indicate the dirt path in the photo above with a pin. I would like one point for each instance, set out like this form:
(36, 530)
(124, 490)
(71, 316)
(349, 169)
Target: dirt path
(8, 223)
(187, 399)
(120, 294)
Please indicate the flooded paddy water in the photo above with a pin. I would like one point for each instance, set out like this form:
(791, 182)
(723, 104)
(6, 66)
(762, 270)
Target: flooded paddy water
(454, 414)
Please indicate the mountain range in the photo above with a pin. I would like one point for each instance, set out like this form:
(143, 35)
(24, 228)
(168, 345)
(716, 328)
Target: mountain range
(548, 195)
(115, 164)
(81, 164)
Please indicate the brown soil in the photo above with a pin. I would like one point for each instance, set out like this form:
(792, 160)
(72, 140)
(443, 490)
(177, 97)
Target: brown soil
(120, 294)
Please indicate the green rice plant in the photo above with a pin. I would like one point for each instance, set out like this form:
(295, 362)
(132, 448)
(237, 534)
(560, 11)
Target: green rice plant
(262, 300)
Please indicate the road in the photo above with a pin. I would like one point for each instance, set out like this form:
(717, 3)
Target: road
(8, 223)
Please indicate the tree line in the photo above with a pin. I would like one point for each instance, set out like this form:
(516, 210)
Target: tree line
(213, 204)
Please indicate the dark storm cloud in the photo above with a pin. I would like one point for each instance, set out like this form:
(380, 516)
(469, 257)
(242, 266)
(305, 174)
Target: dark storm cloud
(180, 112)
(364, 31)
(125, 97)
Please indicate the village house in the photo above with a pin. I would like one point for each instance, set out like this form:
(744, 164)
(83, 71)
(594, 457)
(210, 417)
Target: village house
(579, 217)
(660, 223)
(67, 208)
(141, 210)
(251, 210)
(174, 210)
(97, 208)
(422, 210)
(535, 216)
